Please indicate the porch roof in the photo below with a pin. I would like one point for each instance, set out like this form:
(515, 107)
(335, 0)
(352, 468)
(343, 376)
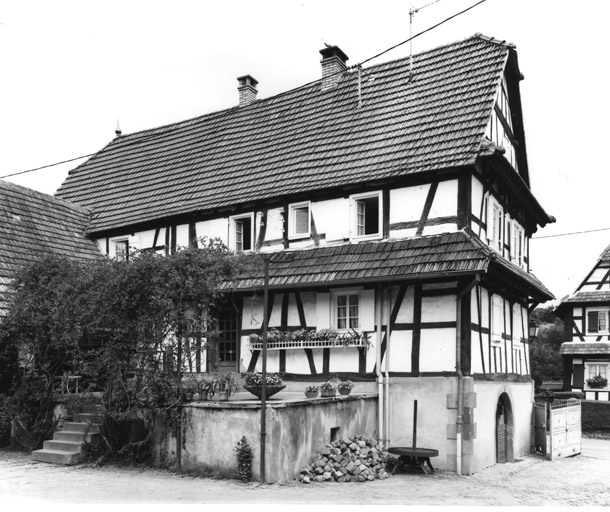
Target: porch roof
(448, 255)
(584, 348)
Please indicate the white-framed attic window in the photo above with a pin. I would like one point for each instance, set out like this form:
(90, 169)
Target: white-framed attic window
(241, 232)
(299, 220)
(365, 216)
(517, 243)
(597, 320)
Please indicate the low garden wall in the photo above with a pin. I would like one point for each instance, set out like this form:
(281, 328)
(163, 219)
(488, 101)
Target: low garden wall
(295, 430)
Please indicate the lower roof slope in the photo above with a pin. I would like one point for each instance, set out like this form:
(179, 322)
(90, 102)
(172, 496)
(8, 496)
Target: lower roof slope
(33, 224)
(300, 141)
(448, 255)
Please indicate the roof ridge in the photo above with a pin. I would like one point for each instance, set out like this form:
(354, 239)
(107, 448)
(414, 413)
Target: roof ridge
(351, 70)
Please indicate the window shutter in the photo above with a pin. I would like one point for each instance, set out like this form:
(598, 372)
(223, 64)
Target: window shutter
(578, 376)
(592, 321)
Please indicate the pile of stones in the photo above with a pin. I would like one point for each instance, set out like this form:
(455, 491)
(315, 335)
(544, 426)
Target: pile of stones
(357, 459)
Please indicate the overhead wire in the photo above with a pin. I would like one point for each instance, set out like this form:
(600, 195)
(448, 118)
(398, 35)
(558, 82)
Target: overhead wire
(569, 234)
(283, 93)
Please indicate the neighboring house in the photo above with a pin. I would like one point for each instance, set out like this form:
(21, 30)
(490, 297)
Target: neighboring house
(391, 202)
(586, 350)
(33, 224)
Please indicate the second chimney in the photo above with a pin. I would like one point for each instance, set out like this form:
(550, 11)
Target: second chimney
(247, 90)
(333, 64)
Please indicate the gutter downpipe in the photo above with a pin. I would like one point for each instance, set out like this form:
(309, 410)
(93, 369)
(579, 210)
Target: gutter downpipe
(379, 318)
(388, 293)
(460, 391)
(458, 369)
(264, 375)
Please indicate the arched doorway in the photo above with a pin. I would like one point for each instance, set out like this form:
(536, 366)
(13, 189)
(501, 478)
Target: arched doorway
(504, 430)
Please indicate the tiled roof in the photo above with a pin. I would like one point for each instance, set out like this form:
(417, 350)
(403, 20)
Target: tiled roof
(591, 296)
(447, 255)
(33, 224)
(584, 348)
(300, 141)
(605, 256)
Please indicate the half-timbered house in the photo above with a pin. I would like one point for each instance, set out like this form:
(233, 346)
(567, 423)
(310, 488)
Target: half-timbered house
(586, 350)
(394, 206)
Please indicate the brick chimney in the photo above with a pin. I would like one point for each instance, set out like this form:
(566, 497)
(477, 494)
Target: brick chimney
(247, 89)
(333, 64)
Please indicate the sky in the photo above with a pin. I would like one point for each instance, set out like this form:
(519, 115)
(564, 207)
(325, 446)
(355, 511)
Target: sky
(71, 69)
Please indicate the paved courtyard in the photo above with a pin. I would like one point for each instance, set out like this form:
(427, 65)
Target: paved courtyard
(580, 480)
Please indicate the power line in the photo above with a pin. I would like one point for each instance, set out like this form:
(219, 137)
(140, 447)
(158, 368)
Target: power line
(568, 234)
(282, 93)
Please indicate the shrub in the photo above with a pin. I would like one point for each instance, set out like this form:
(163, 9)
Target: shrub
(244, 460)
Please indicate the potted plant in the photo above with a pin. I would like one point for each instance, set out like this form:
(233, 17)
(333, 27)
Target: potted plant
(597, 382)
(328, 389)
(312, 391)
(189, 387)
(225, 386)
(206, 389)
(345, 387)
(254, 384)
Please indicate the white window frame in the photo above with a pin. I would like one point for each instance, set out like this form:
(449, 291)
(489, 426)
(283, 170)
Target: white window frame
(335, 309)
(496, 322)
(114, 242)
(355, 200)
(495, 224)
(233, 232)
(292, 233)
(588, 374)
(517, 243)
(599, 331)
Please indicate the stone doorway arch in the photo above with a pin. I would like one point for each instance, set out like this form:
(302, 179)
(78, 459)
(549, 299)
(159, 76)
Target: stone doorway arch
(504, 430)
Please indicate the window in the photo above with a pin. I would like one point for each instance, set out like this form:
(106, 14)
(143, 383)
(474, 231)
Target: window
(241, 233)
(366, 216)
(121, 250)
(599, 370)
(494, 224)
(347, 310)
(497, 318)
(597, 321)
(299, 220)
(518, 240)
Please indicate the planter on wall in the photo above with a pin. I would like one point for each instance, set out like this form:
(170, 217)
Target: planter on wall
(270, 390)
(345, 391)
(327, 393)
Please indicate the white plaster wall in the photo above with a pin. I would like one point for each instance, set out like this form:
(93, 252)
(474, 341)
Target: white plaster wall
(437, 350)
(521, 395)
(275, 226)
(407, 204)
(332, 218)
(252, 313)
(433, 416)
(215, 228)
(405, 313)
(438, 309)
(445, 200)
(322, 311)
(400, 351)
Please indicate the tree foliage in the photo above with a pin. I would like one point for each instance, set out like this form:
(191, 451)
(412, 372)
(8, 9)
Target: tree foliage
(120, 325)
(546, 362)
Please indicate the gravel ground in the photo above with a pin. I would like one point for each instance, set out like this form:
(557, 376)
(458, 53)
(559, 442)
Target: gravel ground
(580, 480)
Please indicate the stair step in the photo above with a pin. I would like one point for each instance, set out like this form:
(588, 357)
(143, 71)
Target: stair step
(87, 417)
(74, 437)
(63, 446)
(57, 456)
(81, 426)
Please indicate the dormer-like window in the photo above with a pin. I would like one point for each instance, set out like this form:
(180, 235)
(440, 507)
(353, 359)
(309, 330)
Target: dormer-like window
(517, 243)
(494, 224)
(241, 233)
(500, 127)
(366, 215)
(299, 220)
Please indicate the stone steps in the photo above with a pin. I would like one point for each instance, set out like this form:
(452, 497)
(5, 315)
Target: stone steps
(68, 445)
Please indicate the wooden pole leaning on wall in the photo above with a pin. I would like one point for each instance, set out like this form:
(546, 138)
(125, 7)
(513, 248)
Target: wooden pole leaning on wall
(415, 424)
(264, 373)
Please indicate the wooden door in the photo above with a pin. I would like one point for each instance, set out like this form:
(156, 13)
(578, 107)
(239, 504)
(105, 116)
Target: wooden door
(501, 433)
(540, 424)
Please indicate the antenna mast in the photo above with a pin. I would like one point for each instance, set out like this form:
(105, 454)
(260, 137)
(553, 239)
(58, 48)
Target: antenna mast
(412, 11)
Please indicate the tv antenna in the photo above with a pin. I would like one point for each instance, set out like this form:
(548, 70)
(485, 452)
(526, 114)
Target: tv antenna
(412, 11)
